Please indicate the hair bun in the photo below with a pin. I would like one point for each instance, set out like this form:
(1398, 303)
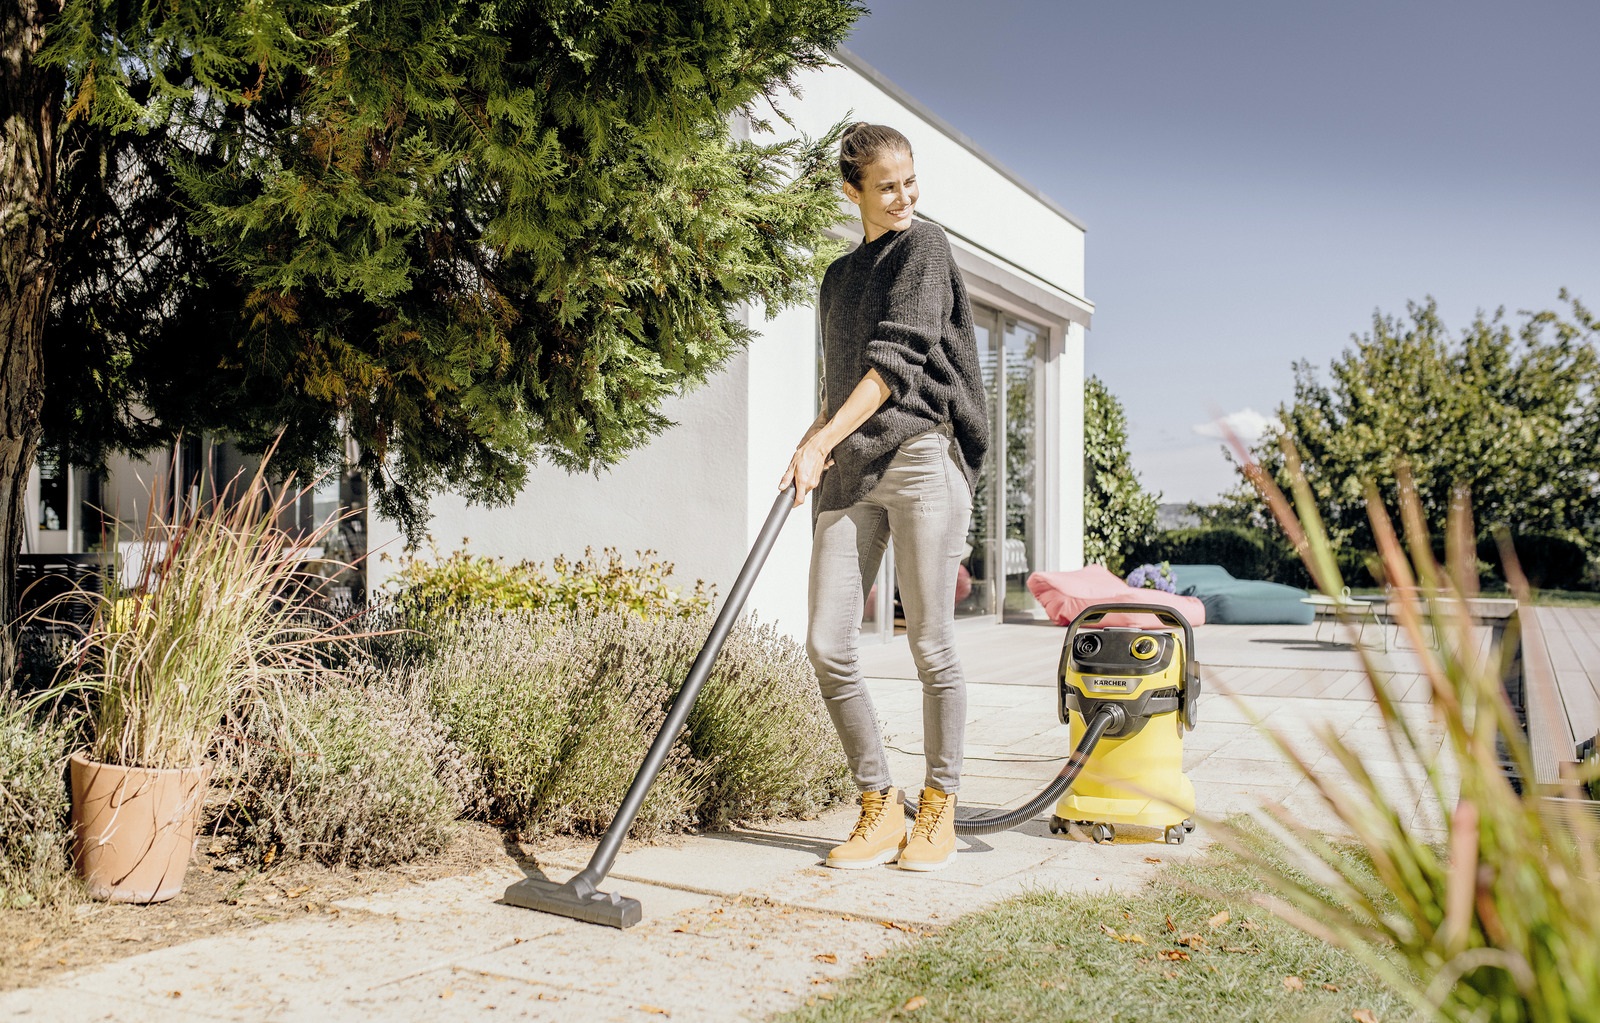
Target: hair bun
(862, 143)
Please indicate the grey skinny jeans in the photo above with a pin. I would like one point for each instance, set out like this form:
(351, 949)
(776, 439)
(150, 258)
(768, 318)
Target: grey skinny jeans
(923, 501)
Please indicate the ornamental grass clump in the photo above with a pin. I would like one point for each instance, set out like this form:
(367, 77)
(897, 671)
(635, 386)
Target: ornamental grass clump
(218, 609)
(558, 708)
(1499, 920)
(346, 772)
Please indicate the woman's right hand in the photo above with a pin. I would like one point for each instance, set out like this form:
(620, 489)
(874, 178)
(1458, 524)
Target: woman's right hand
(805, 470)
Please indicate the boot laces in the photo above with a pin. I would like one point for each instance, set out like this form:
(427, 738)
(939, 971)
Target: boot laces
(930, 814)
(872, 807)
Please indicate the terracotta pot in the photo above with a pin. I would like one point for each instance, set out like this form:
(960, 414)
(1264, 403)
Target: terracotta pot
(133, 827)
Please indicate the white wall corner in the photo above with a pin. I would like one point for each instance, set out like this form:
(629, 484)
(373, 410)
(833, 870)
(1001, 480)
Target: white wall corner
(1069, 440)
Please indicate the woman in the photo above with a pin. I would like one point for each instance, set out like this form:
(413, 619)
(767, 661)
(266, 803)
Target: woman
(896, 452)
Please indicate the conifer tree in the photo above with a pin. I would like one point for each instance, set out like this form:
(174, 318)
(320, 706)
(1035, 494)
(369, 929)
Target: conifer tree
(464, 235)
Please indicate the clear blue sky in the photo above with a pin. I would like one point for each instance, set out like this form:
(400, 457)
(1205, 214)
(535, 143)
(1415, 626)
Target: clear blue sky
(1258, 178)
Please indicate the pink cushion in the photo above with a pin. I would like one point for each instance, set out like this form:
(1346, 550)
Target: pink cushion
(1065, 595)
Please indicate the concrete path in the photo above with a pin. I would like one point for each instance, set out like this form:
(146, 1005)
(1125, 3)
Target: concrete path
(736, 926)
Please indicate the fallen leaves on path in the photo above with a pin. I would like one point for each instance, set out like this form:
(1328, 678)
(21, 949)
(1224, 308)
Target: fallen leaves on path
(1294, 984)
(654, 1010)
(1364, 1016)
(826, 957)
(1218, 920)
(914, 1003)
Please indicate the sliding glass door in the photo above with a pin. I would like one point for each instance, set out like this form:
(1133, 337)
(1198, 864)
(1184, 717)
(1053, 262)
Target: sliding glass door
(1005, 534)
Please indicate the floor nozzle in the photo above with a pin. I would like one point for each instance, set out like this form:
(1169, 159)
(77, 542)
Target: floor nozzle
(595, 907)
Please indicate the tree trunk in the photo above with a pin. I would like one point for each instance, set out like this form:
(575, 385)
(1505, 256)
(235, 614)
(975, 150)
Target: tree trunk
(30, 113)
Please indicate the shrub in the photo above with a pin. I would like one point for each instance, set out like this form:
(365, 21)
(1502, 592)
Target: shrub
(462, 581)
(342, 772)
(1117, 512)
(1548, 560)
(1243, 552)
(34, 833)
(559, 709)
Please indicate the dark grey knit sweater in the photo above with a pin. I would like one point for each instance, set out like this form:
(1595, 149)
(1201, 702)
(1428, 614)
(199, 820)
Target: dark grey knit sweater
(897, 304)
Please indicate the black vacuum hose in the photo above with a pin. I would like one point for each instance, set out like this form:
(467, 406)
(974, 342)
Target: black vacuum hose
(987, 822)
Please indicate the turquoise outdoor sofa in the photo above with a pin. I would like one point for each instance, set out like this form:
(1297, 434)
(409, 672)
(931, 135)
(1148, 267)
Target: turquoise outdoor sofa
(1231, 601)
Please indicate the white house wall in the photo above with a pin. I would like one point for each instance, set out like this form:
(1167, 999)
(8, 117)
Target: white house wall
(782, 373)
(683, 495)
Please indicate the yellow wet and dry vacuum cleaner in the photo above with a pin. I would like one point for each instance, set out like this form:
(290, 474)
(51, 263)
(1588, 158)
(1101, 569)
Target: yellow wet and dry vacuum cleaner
(1127, 695)
(1147, 682)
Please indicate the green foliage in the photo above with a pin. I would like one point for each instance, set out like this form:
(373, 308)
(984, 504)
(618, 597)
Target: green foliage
(1547, 560)
(1509, 413)
(463, 581)
(1241, 551)
(467, 236)
(1117, 512)
(341, 772)
(559, 709)
(34, 834)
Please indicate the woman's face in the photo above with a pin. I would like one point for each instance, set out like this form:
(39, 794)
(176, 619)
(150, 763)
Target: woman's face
(887, 195)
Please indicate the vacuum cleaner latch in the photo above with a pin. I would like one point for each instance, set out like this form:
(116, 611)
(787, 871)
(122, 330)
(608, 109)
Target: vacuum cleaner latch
(1189, 696)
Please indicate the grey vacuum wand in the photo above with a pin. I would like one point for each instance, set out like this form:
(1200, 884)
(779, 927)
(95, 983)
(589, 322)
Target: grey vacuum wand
(581, 898)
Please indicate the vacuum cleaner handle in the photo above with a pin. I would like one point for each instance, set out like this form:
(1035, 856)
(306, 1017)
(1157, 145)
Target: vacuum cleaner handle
(611, 842)
(1190, 696)
(1171, 616)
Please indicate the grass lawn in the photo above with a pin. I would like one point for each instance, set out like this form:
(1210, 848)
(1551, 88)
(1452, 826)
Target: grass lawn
(1190, 948)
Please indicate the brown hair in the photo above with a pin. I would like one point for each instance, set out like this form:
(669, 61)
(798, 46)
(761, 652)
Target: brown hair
(863, 143)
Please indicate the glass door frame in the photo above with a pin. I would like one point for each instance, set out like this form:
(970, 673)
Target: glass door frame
(998, 322)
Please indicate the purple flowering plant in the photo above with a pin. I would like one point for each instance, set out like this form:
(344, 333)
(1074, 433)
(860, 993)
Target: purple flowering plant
(1153, 577)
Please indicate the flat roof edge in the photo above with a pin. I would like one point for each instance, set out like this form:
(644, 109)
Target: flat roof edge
(876, 77)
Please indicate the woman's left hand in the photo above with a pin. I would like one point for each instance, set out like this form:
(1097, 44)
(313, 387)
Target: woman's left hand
(805, 470)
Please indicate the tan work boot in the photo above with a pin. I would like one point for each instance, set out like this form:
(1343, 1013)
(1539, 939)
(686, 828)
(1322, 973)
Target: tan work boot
(878, 836)
(933, 836)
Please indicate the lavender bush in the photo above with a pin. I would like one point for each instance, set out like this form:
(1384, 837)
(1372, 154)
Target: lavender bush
(1153, 577)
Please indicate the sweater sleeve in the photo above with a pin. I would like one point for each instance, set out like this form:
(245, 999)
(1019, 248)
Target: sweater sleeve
(919, 300)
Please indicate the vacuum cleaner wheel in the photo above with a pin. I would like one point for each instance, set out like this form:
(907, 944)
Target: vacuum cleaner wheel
(1102, 833)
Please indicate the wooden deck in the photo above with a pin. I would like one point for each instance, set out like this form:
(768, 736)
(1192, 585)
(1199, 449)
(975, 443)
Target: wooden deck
(1561, 675)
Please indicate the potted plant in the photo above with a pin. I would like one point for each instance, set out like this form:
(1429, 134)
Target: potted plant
(216, 611)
